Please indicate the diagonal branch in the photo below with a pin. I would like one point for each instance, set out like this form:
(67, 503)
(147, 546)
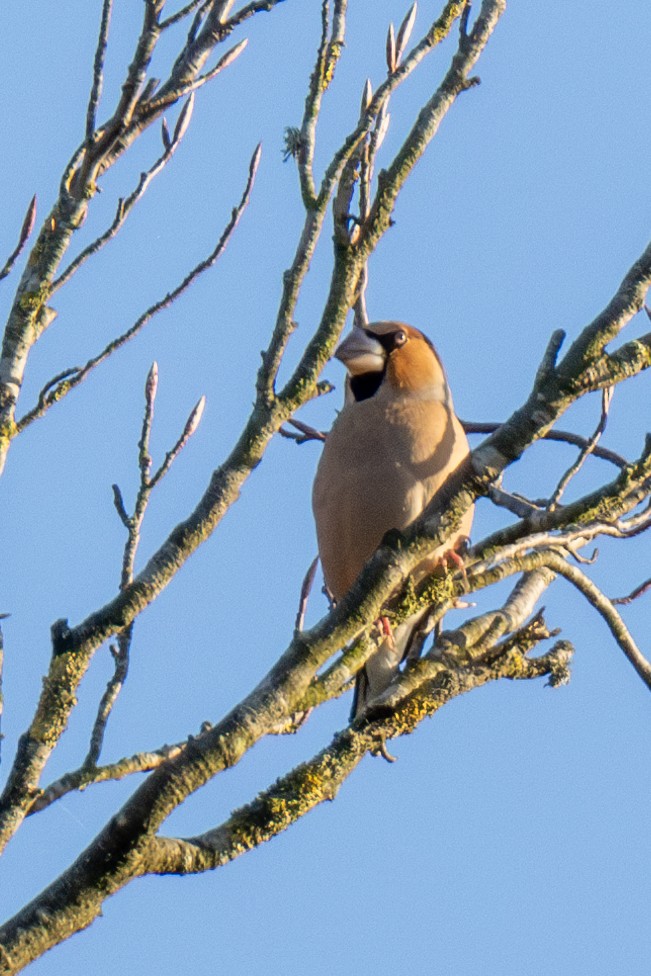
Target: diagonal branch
(605, 608)
(23, 237)
(85, 776)
(55, 391)
(320, 779)
(562, 436)
(183, 13)
(573, 470)
(98, 71)
(290, 677)
(627, 302)
(124, 208)
(94, 876)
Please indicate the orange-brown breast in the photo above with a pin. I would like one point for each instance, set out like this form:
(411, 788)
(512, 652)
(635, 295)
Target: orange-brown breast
(383, 461)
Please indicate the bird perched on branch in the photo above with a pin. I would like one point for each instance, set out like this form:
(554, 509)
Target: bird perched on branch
(392, 447)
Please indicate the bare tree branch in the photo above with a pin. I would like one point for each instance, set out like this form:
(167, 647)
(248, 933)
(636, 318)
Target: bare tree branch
(135, 111)
(563, 436)
(80, 779)
(55, 389)
(633, 595)
(383, 574)
(23, 237)
(98, 71)
(319, 663)
(428, 685)
(124, 208)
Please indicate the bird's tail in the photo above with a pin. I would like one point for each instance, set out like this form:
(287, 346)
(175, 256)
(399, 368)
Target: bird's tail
(406, 641)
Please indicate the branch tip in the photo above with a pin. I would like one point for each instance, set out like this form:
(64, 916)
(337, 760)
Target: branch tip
(194, 419)
(183, 120)
(404, 32)
(151, 384)
(391, 50)
(165, 134)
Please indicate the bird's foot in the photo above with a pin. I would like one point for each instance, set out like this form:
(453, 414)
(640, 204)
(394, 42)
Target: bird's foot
(455, 556)
(385, 630)
(381, 750)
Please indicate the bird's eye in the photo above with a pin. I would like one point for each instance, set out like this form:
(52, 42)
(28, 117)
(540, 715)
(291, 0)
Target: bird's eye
(399, 339)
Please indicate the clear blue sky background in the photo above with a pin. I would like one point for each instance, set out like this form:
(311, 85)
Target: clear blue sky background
(512, 836)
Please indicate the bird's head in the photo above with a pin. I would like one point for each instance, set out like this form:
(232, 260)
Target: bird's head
(395, 355)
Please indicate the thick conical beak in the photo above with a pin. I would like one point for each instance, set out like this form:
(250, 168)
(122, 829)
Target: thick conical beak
(361, 353)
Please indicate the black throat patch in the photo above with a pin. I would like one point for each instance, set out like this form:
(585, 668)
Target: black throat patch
(366, 385)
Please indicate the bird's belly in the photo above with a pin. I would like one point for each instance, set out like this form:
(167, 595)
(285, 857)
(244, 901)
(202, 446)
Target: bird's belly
(381, 465)
(368, 501)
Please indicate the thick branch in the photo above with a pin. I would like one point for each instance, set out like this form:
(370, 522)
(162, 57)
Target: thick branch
(76, 898)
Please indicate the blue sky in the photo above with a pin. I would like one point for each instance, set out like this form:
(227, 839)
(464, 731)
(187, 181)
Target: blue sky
(511, 837)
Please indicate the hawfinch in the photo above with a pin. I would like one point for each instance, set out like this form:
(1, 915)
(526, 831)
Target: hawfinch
(391, 448)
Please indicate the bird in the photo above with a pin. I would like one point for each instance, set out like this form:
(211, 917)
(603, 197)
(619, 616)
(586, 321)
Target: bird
(391, 448)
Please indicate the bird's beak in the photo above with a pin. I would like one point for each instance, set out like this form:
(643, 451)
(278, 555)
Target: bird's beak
(361, 353)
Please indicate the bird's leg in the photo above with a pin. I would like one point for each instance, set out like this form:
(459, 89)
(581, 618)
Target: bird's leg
(455, 556)
(385, 629)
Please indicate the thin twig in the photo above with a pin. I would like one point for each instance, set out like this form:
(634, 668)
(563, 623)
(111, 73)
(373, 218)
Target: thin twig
(80, 779)
(563, 436)
(120, 654)
(307, 433)
(184, 12)
(158, 105)
(64, 387)
(133, 525)
(98, 71)
(605, 608)
(330, 45)
(190, 427)
(124, 208)
(587, 450)
(633, 595)
(23, 237)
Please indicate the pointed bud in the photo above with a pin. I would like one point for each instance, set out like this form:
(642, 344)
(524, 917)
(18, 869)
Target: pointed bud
(391, 50)
(367, 95)
(404, 33)
(28, 223)
(382, 129)
(183, 120)
(151, 384)
(231, 55)
(255, 160)
(165, 135)
(194, 419)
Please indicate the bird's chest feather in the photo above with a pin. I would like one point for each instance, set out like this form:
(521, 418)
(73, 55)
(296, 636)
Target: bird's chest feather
(376, 444)
(381, 464)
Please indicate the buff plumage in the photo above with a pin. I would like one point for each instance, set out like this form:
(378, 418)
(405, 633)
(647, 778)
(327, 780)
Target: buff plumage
(392, 447)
